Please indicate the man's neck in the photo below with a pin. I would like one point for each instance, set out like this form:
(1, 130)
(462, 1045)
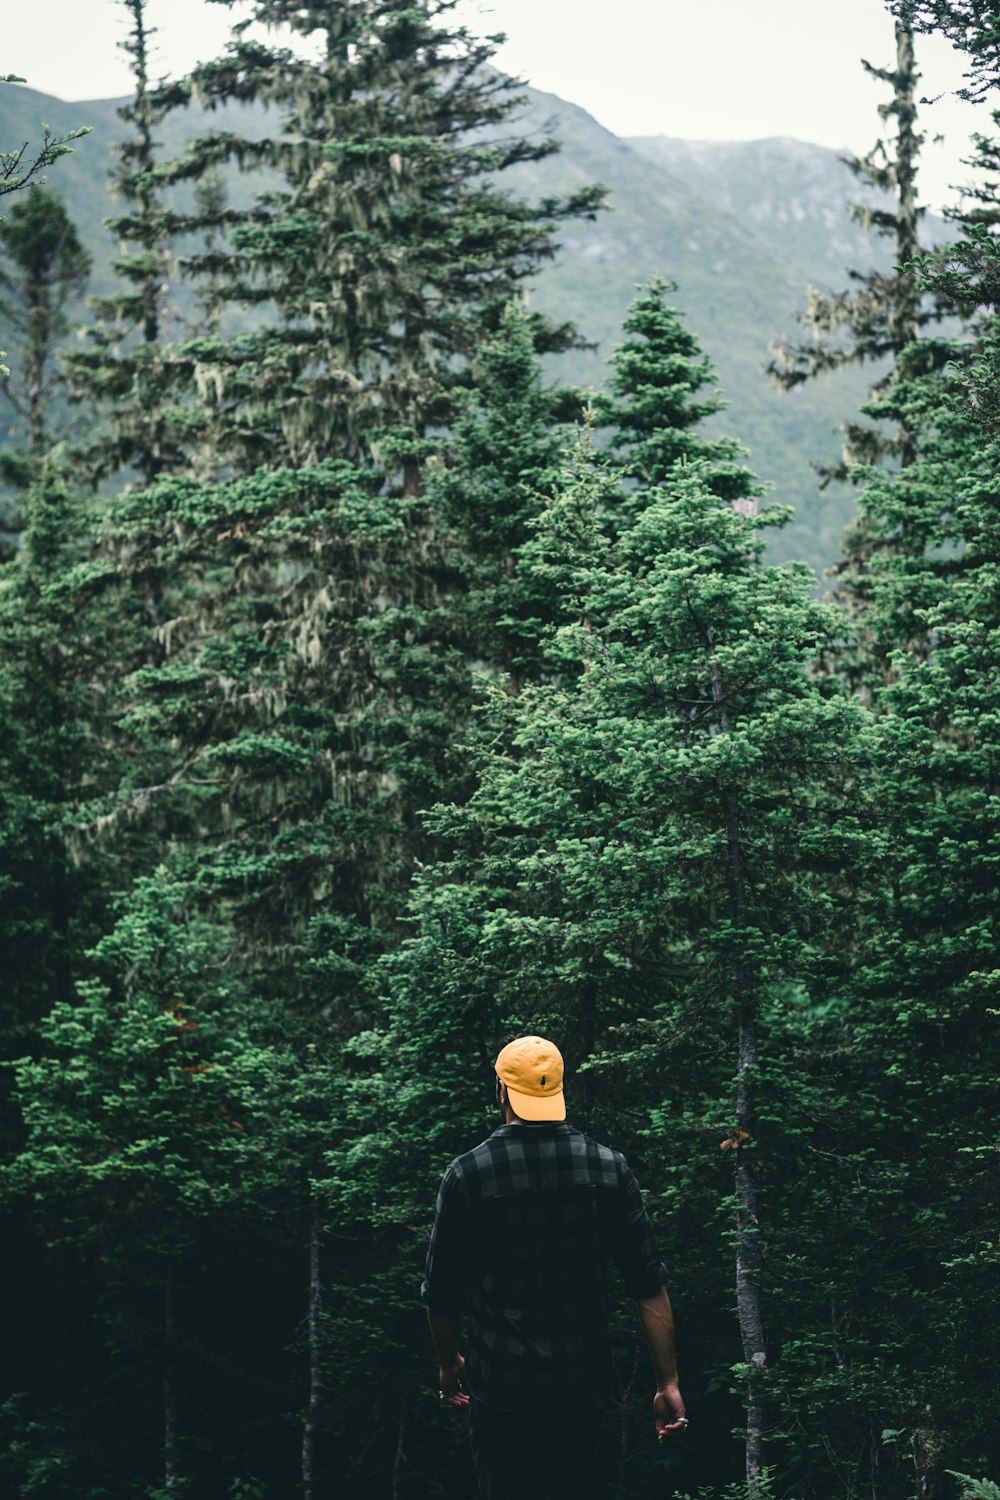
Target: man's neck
(512, 1119)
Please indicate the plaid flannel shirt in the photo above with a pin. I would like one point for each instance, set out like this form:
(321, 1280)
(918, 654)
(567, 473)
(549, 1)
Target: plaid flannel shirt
(525, 1226)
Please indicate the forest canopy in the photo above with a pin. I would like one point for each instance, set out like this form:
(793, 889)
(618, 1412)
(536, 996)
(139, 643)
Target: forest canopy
(369, 693)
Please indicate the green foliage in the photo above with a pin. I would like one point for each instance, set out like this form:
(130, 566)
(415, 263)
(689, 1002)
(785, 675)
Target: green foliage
(18, 166)
(384, 714)
(976, 1489)
(139, 1088)
(387, 248)
(714, 204)
(972, 26)
(59, 632)
(883, 312)
(652, 405)
(45, 264)
(41, 1456)
(763, 1489)
(642, 869)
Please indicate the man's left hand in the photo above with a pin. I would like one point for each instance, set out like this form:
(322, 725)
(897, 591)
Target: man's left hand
(450, 1386)
(668, 1412)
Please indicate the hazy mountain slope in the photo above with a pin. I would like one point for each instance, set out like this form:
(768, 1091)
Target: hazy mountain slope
(742, 226)
(781, 189)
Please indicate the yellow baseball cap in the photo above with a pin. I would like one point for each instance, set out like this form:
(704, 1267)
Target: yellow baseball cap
(532, 1069)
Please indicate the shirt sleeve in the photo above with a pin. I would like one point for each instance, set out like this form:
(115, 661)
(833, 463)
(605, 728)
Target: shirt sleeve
(633, 1246)
(445, 1273)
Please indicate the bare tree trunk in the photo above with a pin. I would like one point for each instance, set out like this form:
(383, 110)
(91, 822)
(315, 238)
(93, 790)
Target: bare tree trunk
(747, 1230)
(926, 1446)
(904, 314)
(623, 1430)
(39, 339)
(904, 321)
(169, 1375)
(747, 1224)
(315, 1377)
(399, 1458)
(413, 483)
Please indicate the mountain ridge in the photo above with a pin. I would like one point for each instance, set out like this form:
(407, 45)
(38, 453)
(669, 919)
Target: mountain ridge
(741, 226)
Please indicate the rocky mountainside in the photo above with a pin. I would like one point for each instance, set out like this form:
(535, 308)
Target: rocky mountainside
(742, 227)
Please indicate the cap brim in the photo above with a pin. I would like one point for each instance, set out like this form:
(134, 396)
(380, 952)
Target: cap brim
(534, 1107)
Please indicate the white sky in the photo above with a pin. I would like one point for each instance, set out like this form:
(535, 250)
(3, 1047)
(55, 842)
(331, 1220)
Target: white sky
(718, 69)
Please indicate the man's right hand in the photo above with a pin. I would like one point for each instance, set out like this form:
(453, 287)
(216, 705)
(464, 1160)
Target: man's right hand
(668, 1412)
(451, 1389)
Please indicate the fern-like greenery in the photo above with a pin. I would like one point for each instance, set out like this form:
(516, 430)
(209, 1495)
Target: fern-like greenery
(975, 1489)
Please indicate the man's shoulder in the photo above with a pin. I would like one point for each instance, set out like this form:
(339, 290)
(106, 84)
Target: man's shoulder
(510, 1144)
(608, 1159)
(598, 1148)
(481, 1157)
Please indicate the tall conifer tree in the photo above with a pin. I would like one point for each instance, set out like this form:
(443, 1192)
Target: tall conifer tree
(310, 671)
(386, 246)
(619, 876)
(123, 371)
(882, 317)
(46, 265)
(884, 311)
(973, 26)
(298, 682)
(54, 681)
(662, 386)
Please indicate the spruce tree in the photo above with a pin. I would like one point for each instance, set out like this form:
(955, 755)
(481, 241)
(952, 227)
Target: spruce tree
(925, 987)
(386, 247)
(973, 26)
(504, 459)
(56, 750)
(930, 1010)
(124, 372)
(309, 669)
(883, 312)
(662, 386)
(142, 1122)
(619, 878)
(46, 266)
(882, 320)
(924, 1007)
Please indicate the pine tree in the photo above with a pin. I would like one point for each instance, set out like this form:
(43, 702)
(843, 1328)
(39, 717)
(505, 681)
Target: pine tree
(299, 704)
(504, 463)
(662, 386)
(141, 1122)
(926, 995)
(56, 685)
(125, 372)
(926, 1008)
(620, 876)
(46, 267)
(973, 26)
(884, 311)
(310, 670)
(386, 247)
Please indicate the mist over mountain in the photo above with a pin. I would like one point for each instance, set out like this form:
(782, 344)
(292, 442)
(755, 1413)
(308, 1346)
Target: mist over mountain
(743, 227)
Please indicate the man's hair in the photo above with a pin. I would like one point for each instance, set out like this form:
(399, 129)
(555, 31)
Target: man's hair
(505, 1041)
(508, 1037)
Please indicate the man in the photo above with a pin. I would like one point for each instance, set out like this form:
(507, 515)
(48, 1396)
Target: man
(525, 1225)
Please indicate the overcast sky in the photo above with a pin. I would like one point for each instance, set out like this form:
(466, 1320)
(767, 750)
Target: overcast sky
(720, 69)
